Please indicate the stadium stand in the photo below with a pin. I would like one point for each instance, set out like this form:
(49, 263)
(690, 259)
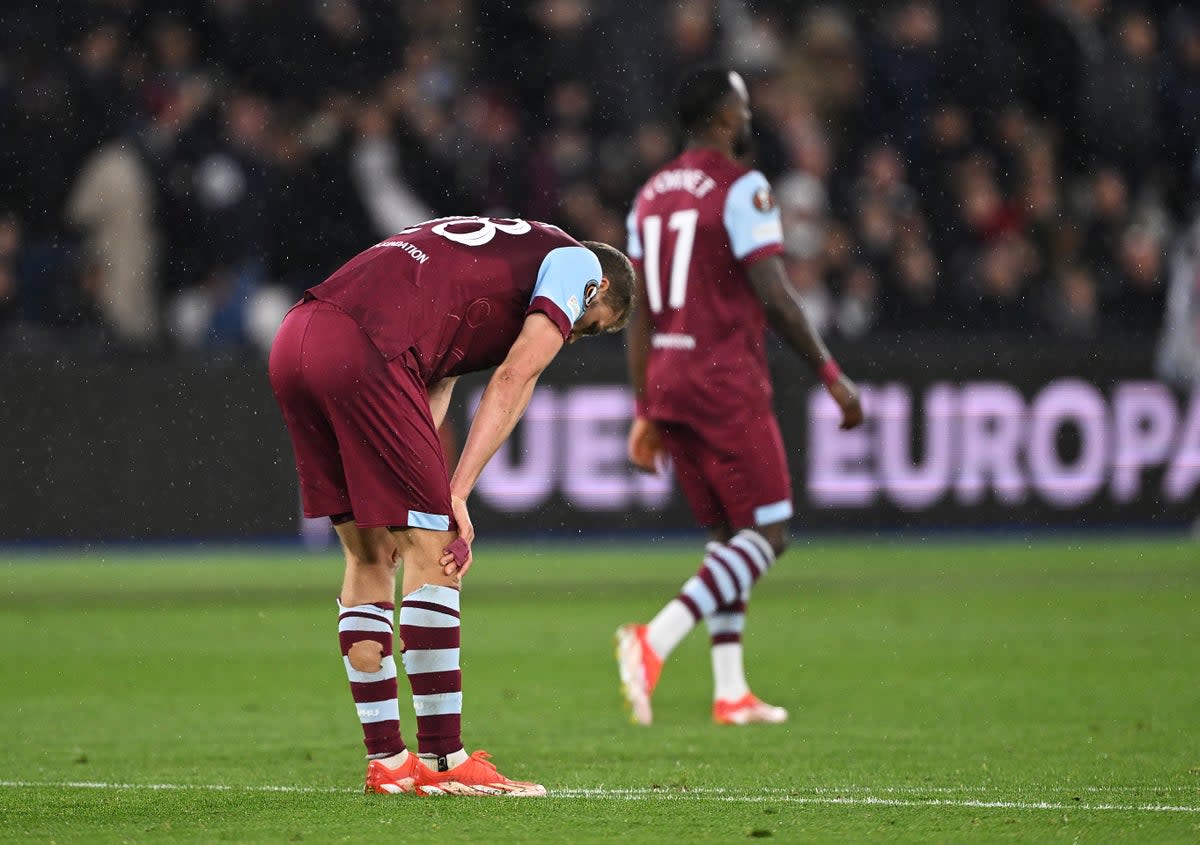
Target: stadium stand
(178, 170)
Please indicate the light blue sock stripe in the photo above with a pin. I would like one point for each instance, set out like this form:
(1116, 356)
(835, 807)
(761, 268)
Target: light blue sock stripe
(386, 672)
(358, 623)
(696, 590)
(726, 623)
(424, 618)
(729, 590)
(421, 661)
(438, 704)
(378, 711)
(434, 594)
(745, 578)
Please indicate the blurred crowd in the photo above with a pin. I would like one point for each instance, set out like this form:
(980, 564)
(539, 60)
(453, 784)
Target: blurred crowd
(177, 171)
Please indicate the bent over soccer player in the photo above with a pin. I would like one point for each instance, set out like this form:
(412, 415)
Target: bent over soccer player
(706, 236)
(363, 368)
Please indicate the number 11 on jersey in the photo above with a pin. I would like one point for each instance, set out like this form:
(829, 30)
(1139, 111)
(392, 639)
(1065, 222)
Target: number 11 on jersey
(683, 223)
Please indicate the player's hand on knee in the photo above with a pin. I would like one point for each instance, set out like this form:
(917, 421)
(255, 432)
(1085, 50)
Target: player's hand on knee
(456, 559)
(644, 445)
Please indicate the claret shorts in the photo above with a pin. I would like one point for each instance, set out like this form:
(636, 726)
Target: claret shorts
(361, 429)
(732, 475)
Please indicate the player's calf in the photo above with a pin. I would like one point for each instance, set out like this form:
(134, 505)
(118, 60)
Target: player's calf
(365, 633)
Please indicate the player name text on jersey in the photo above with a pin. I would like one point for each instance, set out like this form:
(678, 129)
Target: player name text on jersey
(695, 182)
(404, 246)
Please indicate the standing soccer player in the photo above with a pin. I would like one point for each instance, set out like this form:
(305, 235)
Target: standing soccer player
(706, 237)
(363, 368)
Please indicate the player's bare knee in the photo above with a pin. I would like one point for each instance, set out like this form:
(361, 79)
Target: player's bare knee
(720, 533)
(367, 548)
(381, 556)
(420, 552)
(777, 536)
(366, 656)
(426, 569)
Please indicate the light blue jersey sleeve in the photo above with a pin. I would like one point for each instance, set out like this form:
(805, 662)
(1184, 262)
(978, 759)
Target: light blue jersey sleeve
(563, 283)
(751, 217)
(634, 250)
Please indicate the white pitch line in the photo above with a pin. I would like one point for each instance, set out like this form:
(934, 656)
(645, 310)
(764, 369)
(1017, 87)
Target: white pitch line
(901, 790)
(867, 800)
(180, 787)
(818, 795)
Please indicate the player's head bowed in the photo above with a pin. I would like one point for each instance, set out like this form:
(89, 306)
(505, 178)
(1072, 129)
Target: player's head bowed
(619, 294)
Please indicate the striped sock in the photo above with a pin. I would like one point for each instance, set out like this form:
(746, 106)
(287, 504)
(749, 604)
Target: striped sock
(725, 628)
(726, 623)
(374, 692)
(429, 629)
(729, 571)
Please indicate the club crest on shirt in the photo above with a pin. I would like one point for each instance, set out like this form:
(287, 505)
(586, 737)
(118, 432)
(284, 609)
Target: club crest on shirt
(589, 292)
(764, 200)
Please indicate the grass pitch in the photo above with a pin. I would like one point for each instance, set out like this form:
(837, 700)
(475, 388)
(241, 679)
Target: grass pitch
(939, 693)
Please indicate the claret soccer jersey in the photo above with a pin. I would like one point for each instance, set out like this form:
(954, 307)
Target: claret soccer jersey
(695, 226)
(454, 292)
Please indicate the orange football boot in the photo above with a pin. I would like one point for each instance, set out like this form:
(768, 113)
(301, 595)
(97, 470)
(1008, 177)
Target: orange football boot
(747, 710)
(640, 669)
(403, 779)
(476, 777)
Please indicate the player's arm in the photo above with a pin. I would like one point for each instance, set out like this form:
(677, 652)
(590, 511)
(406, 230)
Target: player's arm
(503, 402)
(787, 317)
(557, 302)
(439, 399)
(643, 445)
(637, 343)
